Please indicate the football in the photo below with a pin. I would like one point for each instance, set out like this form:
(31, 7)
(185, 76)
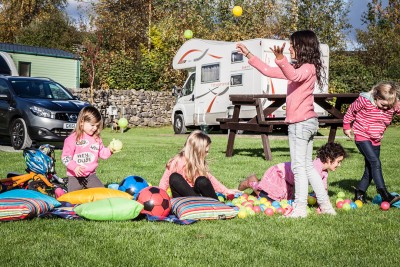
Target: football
(155, 200)
(133, 185)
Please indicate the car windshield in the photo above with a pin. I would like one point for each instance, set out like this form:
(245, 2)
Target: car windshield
(40, 89)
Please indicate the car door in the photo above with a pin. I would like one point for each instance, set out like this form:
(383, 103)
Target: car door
(4, 106)
(188, 99)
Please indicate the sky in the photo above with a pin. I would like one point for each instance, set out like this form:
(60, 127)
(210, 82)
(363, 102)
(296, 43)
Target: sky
(356, 10)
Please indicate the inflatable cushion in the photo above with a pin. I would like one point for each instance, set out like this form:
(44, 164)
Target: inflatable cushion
(91, 195)
(201, 208)
(13, 209)
(111, 209)
(23, 193)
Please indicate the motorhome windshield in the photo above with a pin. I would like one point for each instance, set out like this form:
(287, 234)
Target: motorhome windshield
(40, 89)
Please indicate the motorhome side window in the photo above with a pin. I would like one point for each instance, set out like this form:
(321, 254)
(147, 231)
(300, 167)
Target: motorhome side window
(210, 73)
(236, 79)
(236, 57)
(189, 86)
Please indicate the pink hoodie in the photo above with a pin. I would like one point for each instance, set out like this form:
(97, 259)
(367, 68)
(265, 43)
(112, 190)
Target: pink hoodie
(179, 166)
(278, 180)
(86, 152)
(301, 83)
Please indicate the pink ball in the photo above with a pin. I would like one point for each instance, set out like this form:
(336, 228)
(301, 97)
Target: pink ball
(269, 212)
(246, 196)
(347, 201)
(385, 205)
(339, 205)
(280, 210)
(257, 209)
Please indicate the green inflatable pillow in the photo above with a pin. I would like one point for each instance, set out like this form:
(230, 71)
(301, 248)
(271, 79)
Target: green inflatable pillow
(110, 209)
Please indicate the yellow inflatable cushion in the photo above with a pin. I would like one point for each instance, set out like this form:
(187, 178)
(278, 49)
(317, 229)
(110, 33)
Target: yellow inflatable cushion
(91, 195)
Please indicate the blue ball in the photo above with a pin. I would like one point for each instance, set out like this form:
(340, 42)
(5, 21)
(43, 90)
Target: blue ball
(353, 205)
(133, 185)
(276, 204)
(377, 199)
(113, 186)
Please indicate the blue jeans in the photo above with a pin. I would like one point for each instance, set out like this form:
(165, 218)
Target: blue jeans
(373, 168)
(301, 139)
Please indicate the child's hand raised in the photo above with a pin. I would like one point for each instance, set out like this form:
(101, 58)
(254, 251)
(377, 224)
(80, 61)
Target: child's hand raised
(278, 51)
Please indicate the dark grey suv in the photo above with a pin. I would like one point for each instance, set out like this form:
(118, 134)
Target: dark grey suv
(36, 109)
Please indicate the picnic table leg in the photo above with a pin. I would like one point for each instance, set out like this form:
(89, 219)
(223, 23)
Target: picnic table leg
(332, 134)
(231, 141)
(267, 148)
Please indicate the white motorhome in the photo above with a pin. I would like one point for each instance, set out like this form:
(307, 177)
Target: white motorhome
(216, 70)
(7, 65)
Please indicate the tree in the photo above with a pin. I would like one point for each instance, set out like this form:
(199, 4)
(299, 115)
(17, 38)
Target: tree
(17, 14)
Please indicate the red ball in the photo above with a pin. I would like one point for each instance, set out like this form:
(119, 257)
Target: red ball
(269, 212)
(257, 209)
(347, 201)
(385, 205)
(339, 205)
(230, 197)
(155, 200)
(280, 210)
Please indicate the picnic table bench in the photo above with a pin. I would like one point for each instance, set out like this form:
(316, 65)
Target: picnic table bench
(263, 123)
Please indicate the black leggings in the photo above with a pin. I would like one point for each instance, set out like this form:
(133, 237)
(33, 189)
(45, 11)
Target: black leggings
(180, 187)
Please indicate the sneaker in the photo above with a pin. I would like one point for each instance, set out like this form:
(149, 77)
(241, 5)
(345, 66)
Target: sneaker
(327, 208)
(249, 182)
(298, 211)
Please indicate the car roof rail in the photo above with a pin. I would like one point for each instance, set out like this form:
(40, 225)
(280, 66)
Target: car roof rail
(47, 78)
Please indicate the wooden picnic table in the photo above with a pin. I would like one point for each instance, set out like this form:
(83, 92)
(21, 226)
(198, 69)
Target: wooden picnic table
(263, 123)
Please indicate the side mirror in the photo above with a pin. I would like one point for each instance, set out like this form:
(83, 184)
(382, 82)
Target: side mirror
(176, 91)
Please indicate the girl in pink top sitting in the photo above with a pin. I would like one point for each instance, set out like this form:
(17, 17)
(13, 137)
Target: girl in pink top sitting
(82, 149)
(369, 116)
(278, 181)
(187, 173)
(305, 70)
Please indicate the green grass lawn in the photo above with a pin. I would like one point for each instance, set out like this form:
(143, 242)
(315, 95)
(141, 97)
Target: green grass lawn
(362, 237)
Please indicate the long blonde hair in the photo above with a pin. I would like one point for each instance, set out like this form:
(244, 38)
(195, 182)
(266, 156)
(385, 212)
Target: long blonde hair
(194, 152)
(386, 91)
(88, 114)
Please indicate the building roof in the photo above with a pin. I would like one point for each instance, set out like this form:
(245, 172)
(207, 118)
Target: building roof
(35, 50)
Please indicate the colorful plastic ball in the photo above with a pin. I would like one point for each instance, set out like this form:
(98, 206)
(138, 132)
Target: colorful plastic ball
(221, 199)
(377, 199)
(348, 201)
(358, 203)
(229, 203)
(169, 192)
(290, 202)
(346, 207)
(339, 204)
(262, 207)
(340, 195)
(242, 214)
(276, 204)
(280, 210)
(155, 200)
(353, 205)
(230, 197)
(133, 185)
(311, 200)
(263, 200)
(245, 196)
(269, 212)
(257, 209)
(339, 200)
(113, 186)
(188, 34)
(122, 123)
(237, 11)
(385, 205)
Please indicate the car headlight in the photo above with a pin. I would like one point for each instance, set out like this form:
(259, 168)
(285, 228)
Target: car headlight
(41, 112)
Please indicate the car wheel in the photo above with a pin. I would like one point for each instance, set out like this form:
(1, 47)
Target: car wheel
(179, 124)
(19, 134)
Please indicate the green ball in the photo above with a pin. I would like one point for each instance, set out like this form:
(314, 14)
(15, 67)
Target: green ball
(188, 34)
(346, 207)
(122, 123)
(221, 199)
(340, 195)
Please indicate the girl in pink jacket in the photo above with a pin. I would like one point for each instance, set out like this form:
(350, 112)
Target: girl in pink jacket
(302, 73)
(278, 181)
(369, 116)
(187, 173)
(82, 149)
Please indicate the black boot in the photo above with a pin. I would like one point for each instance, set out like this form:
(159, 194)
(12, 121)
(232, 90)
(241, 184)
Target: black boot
(386, 196)
(360, 195)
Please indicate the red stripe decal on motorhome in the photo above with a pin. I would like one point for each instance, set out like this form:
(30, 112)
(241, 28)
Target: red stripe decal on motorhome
(210, 106)
(272, 86)
(214, 56)
(187, 53)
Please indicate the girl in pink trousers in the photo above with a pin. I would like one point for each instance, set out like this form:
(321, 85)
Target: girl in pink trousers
(302, 74)
(278, 181)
